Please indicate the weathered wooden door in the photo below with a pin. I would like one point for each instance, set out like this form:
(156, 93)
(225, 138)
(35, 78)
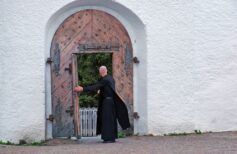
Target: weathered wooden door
(85, 32)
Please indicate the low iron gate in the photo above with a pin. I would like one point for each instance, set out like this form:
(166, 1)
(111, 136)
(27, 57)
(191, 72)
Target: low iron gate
(88, 119)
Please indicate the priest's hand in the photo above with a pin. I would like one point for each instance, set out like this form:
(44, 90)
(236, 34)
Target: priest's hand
(78, 89)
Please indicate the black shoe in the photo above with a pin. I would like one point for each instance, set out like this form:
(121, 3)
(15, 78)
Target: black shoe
(109, 141)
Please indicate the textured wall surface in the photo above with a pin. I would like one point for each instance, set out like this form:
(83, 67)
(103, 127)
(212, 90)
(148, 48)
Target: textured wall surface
(191, 65)
(22, 92)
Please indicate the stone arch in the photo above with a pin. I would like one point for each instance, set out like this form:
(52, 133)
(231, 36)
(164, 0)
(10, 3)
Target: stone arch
(136, 31)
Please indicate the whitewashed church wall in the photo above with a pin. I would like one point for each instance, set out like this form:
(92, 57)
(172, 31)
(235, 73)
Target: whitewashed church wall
(191, 65)
(22, 101)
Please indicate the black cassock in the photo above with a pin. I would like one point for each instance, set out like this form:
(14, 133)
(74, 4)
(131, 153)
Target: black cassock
(110, 109)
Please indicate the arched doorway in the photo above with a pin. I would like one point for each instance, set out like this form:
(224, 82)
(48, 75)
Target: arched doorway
(87, 31)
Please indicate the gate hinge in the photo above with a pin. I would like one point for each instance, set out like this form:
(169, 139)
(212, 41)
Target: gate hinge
(50, 118)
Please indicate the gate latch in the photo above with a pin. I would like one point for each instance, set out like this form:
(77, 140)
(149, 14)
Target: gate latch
(69, 68)
(70, 110)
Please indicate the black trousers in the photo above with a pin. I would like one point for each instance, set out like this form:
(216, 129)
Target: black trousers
(109, 129)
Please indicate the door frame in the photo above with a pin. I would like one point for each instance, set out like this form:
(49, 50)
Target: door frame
(76, 98)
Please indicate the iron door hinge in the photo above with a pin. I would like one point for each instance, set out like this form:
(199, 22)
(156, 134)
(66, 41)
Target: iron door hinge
(49, 60)
(50, 118)
(136, 115)
(136, 60)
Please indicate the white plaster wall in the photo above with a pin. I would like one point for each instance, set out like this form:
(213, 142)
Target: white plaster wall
(22, 108)
(191, 65)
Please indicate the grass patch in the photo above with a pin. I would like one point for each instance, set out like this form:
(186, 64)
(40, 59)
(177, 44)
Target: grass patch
(197, 132)
(23, 143)
(6, 143)
(35, 144)
(121, 135)
(176, 134)
(184, 133)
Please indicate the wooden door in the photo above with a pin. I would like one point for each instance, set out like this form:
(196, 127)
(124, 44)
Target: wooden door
(85, 32)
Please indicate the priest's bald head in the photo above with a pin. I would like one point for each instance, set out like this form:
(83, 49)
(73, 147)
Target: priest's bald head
(103, 71)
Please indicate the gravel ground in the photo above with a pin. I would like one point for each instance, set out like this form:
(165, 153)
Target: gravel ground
(210, 143)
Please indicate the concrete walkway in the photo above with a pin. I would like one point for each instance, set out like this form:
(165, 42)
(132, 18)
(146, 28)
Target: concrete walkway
(210, 143)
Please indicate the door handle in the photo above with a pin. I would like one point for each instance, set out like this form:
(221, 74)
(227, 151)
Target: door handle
(70, 110)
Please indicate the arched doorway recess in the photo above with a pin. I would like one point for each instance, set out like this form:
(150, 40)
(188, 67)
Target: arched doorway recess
(137, 32)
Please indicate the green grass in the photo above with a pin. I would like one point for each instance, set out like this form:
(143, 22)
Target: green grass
(197, 131)
(6, 143)
(184, 133)
(25, 144)
(176, 134)
(121, 135)
(35, 144)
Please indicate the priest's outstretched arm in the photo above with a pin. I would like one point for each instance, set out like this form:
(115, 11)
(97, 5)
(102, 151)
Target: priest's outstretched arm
(94, 87)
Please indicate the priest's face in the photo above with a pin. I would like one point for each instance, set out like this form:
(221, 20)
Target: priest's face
(103, 71)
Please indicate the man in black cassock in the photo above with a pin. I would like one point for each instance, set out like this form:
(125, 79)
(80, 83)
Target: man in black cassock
(110, 109)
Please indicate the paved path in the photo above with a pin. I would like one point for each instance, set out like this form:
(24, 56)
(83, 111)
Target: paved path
(211, 143)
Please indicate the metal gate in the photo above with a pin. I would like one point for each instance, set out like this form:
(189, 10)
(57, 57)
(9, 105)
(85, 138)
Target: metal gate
(88, 119)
